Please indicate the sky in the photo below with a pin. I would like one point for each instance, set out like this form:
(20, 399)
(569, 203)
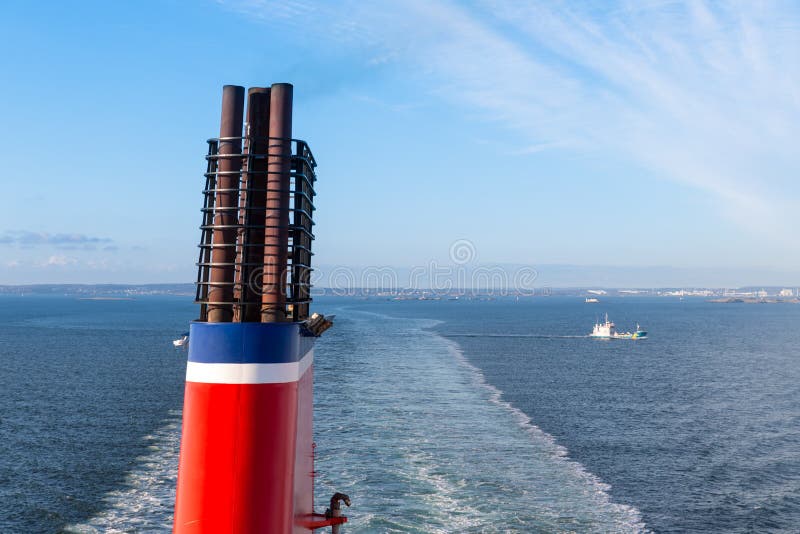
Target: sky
(638, 134)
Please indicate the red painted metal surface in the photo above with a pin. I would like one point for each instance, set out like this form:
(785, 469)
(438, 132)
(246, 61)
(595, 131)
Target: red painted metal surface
(237, 459)
(304, 450)
(315, 521)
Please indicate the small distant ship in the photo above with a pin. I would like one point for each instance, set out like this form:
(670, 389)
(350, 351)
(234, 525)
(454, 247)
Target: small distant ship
(608, 330)
(591, 300)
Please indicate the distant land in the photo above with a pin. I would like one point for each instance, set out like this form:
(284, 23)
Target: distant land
(445, 274)
(751, 294)
(99, 291)
(561, 275)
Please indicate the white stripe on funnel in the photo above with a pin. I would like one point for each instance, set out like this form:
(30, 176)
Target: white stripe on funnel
(249, 373)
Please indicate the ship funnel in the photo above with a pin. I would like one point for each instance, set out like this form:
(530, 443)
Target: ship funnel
(247, 453)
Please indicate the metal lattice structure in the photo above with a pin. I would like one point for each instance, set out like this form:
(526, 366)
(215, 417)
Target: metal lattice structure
(253, 261)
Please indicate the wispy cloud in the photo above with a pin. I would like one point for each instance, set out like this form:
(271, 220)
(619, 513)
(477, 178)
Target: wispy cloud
(271, 9)
(704, 94)
(63, 241)
(58, 261)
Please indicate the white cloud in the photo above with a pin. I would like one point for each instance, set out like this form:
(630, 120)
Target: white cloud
(58, 261)
(703, 94)
(26, 238)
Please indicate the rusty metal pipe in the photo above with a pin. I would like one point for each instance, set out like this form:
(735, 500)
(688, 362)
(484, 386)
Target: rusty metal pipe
(254, 202)
(276, 235)
(223, 252)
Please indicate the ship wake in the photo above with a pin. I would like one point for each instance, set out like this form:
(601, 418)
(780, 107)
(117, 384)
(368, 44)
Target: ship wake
(431, 446)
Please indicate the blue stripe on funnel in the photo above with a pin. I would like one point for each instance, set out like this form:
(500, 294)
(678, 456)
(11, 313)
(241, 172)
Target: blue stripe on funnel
(247, 343)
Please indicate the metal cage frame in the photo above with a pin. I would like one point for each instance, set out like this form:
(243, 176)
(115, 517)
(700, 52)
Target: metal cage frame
(297, 271)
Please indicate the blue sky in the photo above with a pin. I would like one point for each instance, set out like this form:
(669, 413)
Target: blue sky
(641, 133)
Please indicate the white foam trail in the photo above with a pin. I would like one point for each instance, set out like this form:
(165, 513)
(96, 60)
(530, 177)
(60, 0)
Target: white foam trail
(559, 452)
(434, 447)
(145, 503)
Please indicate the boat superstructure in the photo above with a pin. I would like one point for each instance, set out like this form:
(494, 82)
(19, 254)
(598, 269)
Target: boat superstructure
(608, 330)
(247, 451)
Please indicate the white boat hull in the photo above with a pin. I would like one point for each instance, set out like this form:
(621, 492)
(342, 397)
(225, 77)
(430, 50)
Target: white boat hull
(608, 330)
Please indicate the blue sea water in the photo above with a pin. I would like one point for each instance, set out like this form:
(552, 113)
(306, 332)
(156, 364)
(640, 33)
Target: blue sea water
(435, 416)
(90, 396)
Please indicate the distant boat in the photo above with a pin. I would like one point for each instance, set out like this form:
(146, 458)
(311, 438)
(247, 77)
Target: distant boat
(182, 341)
(608, 330)
(591, 300)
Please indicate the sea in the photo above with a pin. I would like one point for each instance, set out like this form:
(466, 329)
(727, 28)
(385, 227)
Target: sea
(434, 416)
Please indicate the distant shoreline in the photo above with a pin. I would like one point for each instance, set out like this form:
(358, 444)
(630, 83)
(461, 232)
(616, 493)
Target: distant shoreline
(747, 294)
(752, 300)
